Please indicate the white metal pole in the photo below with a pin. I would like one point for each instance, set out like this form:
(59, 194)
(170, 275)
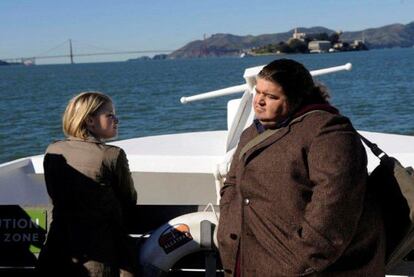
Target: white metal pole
(213, 94)
(328, 70)
(243, 87)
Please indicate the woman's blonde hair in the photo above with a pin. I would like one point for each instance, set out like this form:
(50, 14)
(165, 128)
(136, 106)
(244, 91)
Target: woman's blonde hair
(78, 109)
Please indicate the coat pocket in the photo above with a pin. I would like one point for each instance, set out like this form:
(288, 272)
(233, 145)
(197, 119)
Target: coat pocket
(272, 242)
(312, 247)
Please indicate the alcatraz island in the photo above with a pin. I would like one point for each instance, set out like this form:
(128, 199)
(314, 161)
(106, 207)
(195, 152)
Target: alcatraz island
(301, 42)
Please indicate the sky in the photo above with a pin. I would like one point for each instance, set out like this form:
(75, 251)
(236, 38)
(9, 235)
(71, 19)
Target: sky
(44, 27)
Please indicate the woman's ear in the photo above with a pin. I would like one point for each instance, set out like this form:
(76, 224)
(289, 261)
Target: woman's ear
(90, 122)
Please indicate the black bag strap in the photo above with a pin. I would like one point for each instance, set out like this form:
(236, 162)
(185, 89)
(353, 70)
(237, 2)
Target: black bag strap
(374, 148)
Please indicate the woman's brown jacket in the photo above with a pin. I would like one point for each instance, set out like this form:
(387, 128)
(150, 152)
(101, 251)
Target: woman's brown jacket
(297, 203)
(91, 189)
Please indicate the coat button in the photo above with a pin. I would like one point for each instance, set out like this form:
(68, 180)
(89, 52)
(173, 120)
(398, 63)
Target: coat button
(246, 201)
(233, 236)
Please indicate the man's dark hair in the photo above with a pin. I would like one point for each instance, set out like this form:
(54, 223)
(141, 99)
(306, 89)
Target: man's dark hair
(296, 81)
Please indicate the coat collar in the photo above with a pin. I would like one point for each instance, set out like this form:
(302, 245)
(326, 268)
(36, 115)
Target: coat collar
(299, 112)
(91, 139)
(271, 136)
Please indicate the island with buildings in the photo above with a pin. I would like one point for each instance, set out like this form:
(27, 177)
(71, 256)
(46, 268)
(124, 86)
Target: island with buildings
(316, 39)
(301, 42)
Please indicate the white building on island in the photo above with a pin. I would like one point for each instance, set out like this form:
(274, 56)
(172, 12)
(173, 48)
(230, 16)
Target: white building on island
(319, 46)
(299, 36)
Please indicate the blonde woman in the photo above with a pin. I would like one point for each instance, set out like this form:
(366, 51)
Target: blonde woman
(91, 189)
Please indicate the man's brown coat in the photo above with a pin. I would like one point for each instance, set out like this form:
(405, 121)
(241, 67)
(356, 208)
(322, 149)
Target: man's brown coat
(297, 204)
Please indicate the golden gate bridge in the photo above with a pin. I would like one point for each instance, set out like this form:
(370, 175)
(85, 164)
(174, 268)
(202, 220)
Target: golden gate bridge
(32, 59)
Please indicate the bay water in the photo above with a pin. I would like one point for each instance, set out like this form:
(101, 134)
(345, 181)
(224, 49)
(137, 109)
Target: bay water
(377, 94)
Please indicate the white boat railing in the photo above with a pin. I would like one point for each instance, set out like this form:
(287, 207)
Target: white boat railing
(244, 87)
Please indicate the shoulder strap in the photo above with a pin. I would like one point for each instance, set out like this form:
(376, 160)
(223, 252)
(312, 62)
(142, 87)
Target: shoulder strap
(374, 148)
(256, 140)
(268, 133)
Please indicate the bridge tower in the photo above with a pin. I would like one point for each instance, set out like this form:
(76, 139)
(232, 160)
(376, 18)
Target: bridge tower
(70, 51)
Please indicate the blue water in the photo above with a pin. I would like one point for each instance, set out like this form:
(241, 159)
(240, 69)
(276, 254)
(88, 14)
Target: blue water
(378, 94)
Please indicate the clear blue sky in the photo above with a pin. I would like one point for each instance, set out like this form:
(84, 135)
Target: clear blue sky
(29, 28)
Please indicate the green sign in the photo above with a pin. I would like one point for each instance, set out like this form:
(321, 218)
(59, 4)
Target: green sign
(39, 217)
(22, 228)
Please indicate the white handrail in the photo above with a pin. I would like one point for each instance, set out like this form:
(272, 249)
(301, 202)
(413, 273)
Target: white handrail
(243, 87)
(328, 70)
(214, 93)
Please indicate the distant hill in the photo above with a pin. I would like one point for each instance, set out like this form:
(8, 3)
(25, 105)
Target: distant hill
(395, 35)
